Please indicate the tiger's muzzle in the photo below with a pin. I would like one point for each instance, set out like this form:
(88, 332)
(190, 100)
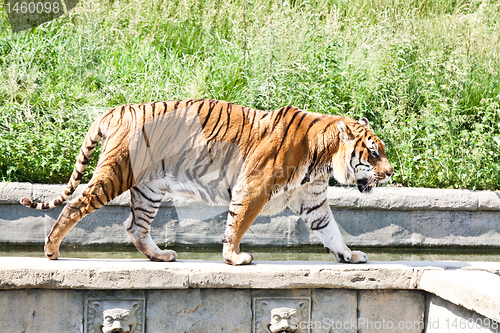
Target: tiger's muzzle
(364, 186)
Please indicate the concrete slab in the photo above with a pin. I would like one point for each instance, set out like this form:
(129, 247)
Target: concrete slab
(198, 296)
(18, 273)
(391, 311)
(474, 290)
(387, 217)
(445, 317)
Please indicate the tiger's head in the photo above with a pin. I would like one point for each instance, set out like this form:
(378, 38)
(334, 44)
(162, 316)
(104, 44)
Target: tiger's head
(363, 155)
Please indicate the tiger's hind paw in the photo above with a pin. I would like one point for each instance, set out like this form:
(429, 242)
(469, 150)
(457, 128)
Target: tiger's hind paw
(165, 255)
(51, 250)
(241, 258)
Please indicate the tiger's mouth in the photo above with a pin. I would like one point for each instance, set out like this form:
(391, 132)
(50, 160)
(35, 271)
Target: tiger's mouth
(364, 186)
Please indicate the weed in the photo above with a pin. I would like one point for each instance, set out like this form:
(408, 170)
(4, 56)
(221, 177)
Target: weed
(425, 73)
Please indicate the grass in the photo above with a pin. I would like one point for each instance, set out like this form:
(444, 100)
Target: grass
(425, 73)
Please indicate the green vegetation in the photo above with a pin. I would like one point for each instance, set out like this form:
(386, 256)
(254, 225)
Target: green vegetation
(425, 73)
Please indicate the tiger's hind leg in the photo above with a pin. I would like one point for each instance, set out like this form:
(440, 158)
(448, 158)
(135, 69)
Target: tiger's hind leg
(100, 190)
(145, 200)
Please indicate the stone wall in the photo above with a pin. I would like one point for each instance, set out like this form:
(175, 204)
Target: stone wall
(72, 295)
(387, 217)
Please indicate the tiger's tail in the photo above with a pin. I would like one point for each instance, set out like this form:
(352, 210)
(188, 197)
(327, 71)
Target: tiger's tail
(93, 137)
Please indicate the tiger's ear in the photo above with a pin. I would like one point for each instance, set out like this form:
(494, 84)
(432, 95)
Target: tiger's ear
(343, 132)
(364, 122)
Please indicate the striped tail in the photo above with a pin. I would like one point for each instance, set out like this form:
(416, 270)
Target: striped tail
(93, 137)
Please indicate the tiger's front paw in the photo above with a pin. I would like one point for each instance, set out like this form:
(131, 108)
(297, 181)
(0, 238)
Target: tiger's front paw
(241, 258)
(51, 250)
(168, 255)
(358, 257)
(352, 257)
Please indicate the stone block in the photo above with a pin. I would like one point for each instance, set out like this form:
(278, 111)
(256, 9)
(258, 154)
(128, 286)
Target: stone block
(488, 200)
(470, 289)
(386, 311)
(13, 192)
(372, 227)
(199, 311)
(445, 317)
(394, 198)
(333, 311)
(41, 310)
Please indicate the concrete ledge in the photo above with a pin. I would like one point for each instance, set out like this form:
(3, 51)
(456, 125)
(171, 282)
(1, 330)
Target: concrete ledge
(38, 295)
(20, 273)
(387, 217)
(386, 198)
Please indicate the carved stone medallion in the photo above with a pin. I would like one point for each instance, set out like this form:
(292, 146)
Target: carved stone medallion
(114, 316)
(279, 315)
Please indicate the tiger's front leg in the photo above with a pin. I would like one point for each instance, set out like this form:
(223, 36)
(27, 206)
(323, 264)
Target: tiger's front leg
(241, 215)
(312, 205)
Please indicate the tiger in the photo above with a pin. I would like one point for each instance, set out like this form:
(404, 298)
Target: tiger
(257, 162)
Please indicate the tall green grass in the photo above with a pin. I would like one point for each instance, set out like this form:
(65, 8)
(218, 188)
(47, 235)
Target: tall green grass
(425, 73)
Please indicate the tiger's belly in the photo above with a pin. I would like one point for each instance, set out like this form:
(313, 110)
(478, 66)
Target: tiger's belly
(277, 204)
(210, 193)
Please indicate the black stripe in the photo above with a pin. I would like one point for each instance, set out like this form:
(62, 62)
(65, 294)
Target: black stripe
(317, 224)
(228, 122)
(148, 220)
(79, 176)
(279, 116)
(196, 118)
(312, 124)
(318, 193)
(215, 126)
(145, 137)
(251, 124)
(96, 197)
(301, 118)
(210, 109)
(92, 205)
(150, 216)
(151, 189)
(367, 165)
(119, 175)
(286, 132)
(132, 220)
(243, 119)
(145, 196)
(85, 160)
(105, 192)
(165, 106)
(311, 209)
(139, 225)
(354, 153)
(153, 108)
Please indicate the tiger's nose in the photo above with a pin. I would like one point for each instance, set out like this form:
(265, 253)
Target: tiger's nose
(389, 172)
